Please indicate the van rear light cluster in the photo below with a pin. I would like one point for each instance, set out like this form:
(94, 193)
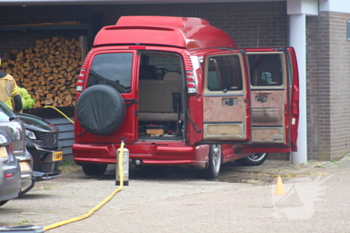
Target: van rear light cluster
(191, 82)
(81, 79)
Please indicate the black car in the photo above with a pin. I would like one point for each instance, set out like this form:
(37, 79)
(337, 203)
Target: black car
(42, 144)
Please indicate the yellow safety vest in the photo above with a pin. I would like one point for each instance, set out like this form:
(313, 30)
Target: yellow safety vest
(8, 89)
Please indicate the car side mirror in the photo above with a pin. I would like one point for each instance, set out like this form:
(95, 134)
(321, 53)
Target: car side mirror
(13, 118)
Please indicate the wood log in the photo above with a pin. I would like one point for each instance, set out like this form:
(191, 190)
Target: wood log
(48, 70)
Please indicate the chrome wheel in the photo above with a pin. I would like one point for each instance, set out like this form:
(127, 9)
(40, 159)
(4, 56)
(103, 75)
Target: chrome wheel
(257, 157)
(214, 162)
(216, 157)
(253, 159)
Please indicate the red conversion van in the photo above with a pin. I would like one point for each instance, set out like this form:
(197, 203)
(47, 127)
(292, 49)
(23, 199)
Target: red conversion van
(179, 92)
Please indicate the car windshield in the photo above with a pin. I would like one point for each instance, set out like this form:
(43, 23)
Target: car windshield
(31, 120)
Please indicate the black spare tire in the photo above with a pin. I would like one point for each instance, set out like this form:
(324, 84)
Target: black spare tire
(100, 109)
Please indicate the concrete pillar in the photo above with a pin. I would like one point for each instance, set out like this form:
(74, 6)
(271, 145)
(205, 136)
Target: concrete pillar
(298, 41)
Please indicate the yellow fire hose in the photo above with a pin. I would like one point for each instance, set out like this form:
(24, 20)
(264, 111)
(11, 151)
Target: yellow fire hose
(93, 210)
(60, 112)
(120, 164)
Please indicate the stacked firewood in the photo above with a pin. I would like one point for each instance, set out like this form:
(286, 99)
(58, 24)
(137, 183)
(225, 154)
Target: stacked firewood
(48, 71)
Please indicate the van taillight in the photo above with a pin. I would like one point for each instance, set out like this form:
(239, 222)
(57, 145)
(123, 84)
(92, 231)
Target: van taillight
(81, 79)
(191, 82)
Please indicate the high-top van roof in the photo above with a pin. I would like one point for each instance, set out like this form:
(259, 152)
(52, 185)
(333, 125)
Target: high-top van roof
(182, 32)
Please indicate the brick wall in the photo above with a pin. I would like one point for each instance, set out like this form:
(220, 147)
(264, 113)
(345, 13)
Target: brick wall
(340, 84)
(328, 82)
(317, 80)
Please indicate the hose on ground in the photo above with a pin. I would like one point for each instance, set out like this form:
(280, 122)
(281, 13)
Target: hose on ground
(120, 165)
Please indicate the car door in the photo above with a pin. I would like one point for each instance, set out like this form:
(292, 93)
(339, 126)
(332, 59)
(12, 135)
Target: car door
(226, 98)
(274, 89)
(108, 102)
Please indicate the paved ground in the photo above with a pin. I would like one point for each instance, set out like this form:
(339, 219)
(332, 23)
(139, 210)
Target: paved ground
(242, 200)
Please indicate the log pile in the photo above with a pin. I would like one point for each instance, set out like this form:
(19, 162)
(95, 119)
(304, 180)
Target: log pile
(48, 71)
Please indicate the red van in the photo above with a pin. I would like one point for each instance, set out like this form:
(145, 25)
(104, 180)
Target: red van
(179, 92)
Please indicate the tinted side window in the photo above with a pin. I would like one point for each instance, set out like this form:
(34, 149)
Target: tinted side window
(113, 69)
(224, 73)
(265, 69)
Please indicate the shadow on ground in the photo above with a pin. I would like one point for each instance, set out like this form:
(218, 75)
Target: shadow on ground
(230, 172)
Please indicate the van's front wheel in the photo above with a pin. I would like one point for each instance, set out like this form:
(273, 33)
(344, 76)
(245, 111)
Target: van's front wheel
(92, 169)
(215, 155)
(255, 159)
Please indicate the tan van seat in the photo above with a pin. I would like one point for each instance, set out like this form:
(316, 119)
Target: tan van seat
(156, 98)
(172, 76)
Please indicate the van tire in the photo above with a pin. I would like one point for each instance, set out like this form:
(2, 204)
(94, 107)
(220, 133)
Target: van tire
(3, 202)
(100, 109)
(255, 159)
(93, 169)
(214, 162)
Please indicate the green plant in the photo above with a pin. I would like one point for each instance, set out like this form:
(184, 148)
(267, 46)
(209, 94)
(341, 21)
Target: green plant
(27, 100)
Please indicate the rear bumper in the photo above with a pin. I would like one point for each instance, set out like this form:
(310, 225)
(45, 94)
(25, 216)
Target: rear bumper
(50, 165)
(40, 176)
(10, 188)
(177, 154)
(26, 168)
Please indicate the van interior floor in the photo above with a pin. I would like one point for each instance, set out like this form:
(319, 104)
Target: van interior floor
(170, 130)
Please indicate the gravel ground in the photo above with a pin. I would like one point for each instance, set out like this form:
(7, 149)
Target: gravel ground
(174, 200)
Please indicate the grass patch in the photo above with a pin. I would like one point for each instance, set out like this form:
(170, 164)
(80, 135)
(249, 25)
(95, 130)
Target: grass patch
(23, 222)
(66, 163)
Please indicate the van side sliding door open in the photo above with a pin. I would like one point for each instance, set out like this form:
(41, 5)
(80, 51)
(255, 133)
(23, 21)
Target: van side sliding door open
(226, 98)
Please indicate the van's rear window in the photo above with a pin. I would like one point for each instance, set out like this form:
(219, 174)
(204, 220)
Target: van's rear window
(112, 69)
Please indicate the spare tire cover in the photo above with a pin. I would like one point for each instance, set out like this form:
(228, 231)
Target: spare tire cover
(100, 109)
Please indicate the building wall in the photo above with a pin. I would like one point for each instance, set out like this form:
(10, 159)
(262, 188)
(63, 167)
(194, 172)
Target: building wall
(340, 84)
(318, 103)
(250, 24)
(328, 82)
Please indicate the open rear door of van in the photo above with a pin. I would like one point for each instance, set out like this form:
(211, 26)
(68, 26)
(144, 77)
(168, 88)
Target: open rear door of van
(226, 98)
(274, 85)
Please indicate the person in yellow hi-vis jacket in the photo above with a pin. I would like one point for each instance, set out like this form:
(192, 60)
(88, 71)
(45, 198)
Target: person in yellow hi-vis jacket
(9, 92)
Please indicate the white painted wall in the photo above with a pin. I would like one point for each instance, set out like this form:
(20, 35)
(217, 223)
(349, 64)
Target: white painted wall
(302, 7)
(342, 6)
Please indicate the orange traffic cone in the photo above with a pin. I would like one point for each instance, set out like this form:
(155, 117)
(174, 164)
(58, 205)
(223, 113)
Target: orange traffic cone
(279, 187)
